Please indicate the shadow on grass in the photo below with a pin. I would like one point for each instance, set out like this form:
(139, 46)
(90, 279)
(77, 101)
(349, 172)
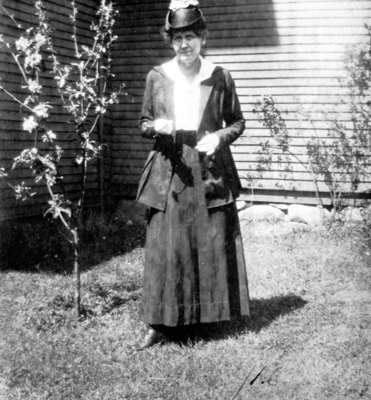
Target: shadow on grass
(263, 313)
(39, 245)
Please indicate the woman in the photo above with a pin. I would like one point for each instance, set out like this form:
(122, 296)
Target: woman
(194, 269)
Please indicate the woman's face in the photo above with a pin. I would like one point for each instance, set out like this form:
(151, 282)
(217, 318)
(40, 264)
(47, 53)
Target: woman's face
(187, 46)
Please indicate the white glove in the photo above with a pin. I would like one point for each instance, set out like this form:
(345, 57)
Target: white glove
(163, 126)
(208, 144)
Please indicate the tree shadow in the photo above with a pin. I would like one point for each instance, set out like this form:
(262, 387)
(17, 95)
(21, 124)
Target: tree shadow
(39, 245)
(263, 313)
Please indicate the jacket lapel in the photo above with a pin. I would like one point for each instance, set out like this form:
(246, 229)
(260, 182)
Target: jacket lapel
(169, 90)
(167, 97)
(204, 98)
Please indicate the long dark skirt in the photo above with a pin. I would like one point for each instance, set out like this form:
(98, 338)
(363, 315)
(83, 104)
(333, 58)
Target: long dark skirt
(195, 268)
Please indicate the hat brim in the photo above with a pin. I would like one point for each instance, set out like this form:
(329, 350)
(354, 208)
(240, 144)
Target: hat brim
(183, 18)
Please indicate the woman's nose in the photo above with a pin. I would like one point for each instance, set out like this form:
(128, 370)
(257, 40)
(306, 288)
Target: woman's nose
(183, 43)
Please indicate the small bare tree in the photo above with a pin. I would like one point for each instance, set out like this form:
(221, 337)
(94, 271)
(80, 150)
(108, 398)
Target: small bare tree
(83, 87)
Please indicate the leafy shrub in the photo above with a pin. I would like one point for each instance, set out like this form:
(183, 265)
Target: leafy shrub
(343, 159)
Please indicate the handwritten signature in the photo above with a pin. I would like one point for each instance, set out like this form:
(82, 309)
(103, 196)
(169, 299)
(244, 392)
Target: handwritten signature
(260, 377)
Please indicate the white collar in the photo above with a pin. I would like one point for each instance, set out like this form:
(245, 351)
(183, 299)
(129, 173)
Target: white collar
(173, 71)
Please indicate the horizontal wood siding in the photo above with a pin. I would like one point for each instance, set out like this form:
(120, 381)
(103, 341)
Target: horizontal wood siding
(12, 138)
(290, 49)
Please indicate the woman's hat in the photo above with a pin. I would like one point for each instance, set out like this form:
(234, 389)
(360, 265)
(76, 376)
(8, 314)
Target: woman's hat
(183, 14)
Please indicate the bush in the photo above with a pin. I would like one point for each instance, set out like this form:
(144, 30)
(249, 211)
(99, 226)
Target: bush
(342, 159)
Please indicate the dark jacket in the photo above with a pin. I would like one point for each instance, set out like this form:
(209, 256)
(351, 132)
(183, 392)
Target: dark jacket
(220, 113)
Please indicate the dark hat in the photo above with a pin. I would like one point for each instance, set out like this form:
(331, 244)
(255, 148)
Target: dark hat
(184, 17)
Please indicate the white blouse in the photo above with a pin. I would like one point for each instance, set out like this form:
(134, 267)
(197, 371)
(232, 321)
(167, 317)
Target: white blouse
(187, 95)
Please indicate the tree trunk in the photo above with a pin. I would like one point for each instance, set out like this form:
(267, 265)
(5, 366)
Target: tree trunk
(76, 273)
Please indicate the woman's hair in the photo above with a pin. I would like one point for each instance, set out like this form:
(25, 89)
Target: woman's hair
(168, 35)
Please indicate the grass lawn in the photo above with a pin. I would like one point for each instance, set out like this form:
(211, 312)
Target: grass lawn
(308, 337)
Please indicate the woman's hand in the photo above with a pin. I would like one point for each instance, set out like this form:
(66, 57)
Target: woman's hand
(163, 126)
(208, 144)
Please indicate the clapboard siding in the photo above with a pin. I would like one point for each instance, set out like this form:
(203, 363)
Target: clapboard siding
(291, 49)
(12, 138)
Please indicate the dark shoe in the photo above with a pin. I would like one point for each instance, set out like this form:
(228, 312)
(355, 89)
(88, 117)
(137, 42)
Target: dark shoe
(152, 337)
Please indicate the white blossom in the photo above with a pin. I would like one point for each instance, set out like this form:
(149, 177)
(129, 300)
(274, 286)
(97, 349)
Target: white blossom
(3, 174)
(49, 136)
(32, 60)
(34, 86)
(41, 110)
(22, 191)
(29, 124)
(61, 81)
(40, 39)
(58, 151)
(22, 44)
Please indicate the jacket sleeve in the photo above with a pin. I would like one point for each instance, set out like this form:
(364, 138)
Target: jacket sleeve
(232, 114)
(146, 121)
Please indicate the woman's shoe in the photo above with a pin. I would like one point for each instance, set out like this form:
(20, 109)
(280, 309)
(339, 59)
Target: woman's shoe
(152, 337)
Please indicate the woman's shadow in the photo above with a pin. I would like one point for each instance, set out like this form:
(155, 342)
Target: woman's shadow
(262, 313)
